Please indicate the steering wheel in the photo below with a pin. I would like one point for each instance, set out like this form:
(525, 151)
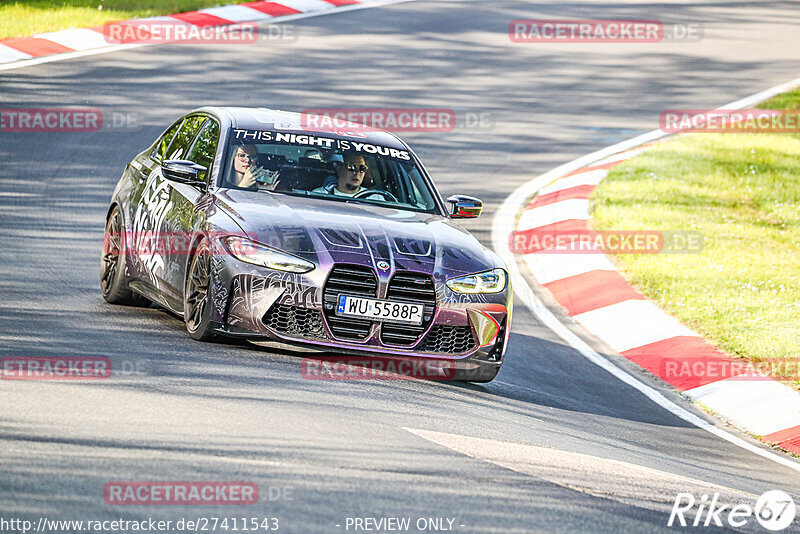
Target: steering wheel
(385, 194)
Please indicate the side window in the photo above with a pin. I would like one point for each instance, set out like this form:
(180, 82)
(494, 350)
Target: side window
(179, 147)
(205, 147)
(163, 143)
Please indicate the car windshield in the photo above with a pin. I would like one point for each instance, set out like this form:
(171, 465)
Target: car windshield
(326, 168)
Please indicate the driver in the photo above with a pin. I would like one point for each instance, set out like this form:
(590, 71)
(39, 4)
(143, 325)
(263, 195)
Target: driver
(350, 174)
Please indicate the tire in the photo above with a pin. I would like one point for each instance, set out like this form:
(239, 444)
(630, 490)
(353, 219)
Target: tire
(113, 280)
(196, 298)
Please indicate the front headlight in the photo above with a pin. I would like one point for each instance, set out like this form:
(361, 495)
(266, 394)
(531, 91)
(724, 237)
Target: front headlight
(253, 252)
(493, 281)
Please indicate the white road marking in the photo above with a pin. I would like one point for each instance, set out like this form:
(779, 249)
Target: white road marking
(624, 482)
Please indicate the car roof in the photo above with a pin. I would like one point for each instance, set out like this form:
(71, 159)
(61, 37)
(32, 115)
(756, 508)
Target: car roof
(292, 122)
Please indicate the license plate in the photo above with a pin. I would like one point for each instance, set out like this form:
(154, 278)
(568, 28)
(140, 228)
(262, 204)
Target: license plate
(380, 310)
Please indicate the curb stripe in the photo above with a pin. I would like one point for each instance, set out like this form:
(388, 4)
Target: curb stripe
(77, 39)
(11, 54)
(631, 324)
(743, 402)
(574, 180)
(503, 240)
(12, 58)
(235, 13)
(82, 39)
(306, 6)
(578, 192)
(685, 362)
(624, 156)
(547, 266)
(531, 240)
(595, 167)
(607, 306)
(788, 439)
(533, 219)
(783, 435)
(124, 25)
(792, 445)
(590, 291)
(201, 19)
(35, 47)
(271, 8)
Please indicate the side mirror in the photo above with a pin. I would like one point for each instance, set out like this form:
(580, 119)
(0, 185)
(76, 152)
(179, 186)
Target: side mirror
(184, 172)
(464, 207)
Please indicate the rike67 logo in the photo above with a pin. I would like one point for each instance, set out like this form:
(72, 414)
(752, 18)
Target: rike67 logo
(774, 510)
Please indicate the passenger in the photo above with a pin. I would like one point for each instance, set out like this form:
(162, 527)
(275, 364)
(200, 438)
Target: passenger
(247, 173)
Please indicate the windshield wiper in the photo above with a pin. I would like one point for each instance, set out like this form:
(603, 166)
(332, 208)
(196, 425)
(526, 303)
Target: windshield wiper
(363, 201)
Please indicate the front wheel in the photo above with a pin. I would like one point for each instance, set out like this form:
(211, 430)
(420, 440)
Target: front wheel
(113, 280)
(196, 297)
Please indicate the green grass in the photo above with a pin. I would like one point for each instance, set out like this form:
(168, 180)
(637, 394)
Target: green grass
(742, 192)
(21, 19)
(790, 100)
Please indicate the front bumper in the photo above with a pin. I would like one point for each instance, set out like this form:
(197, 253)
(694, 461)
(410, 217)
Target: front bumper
(288, 308)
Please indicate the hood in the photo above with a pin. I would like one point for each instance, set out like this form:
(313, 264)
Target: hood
(329, 231)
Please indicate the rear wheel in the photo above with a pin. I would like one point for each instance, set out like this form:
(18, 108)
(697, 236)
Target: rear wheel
(113, 280)
(196, 298)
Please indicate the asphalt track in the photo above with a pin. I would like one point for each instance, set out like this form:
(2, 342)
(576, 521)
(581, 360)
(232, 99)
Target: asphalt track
(194, 411)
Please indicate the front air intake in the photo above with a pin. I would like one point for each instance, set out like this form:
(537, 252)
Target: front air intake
(448, 339)
(295, 321)
(348, 280)
(418, 288)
